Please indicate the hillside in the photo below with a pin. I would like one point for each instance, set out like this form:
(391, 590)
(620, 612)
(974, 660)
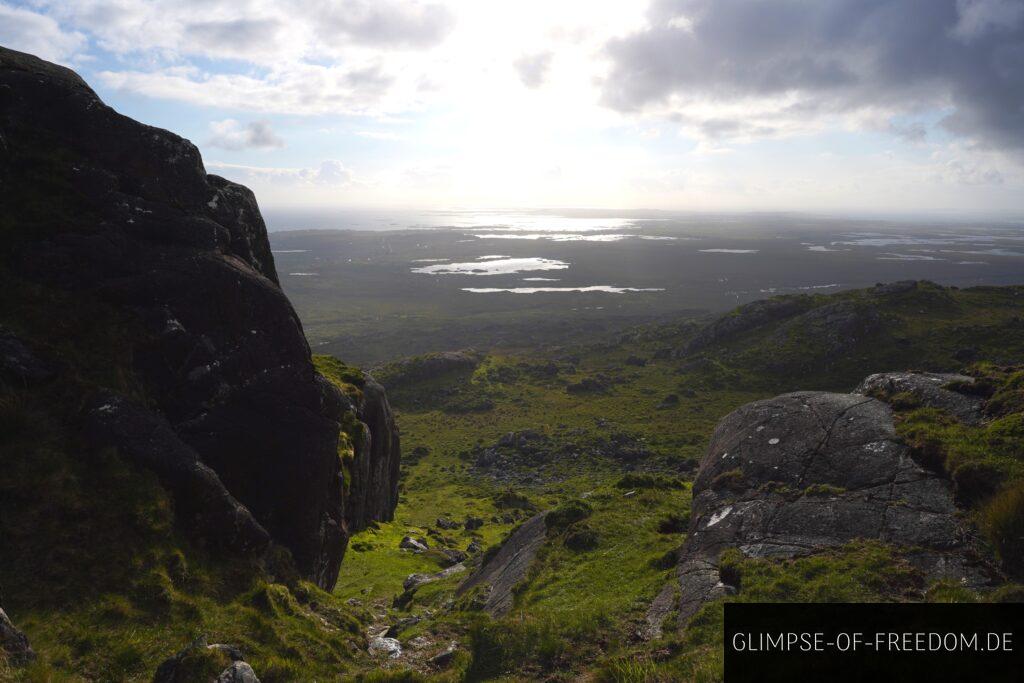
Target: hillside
(613, 434)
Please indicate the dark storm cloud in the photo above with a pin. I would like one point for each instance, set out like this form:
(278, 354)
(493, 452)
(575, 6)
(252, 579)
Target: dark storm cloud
(834, 56)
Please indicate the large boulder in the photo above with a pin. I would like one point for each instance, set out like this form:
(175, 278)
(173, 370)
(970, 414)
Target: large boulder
(106, 210)
(808, 471)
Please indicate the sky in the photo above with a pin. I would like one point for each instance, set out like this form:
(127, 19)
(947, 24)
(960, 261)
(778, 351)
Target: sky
(848, 106)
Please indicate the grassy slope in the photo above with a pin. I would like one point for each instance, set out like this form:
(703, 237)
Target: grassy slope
(580, 607)
(98, 607)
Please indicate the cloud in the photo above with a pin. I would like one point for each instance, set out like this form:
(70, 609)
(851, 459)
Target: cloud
(36, 34)
(330, 173)
(236, 36)
(533, 69)
(291, 88)
(232, 135)
(789, 65)
(382, 23)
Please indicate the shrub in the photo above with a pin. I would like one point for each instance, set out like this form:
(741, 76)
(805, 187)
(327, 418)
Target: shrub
(509, 499)
(501, 647)
(582, 538)
(1003, 521)
(568, 513)
(976, 481)
(648, 481)
(730, 567)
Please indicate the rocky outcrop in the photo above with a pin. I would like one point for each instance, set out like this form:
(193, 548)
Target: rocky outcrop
(836, 328)
(373, 494)
(661, 607)
(104, 209)
(808, 471)
(498, 576)
(928, 389)
(746, 318)
(14, 645)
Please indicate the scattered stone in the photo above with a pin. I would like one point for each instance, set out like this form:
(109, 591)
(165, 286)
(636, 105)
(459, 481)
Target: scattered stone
(382, 646)
(473, 523)
(454, 556)
(238, 672)
(416, 546)
(420, 643)
(445, 523)
(414, 581)
(474, 547)
(444, 658)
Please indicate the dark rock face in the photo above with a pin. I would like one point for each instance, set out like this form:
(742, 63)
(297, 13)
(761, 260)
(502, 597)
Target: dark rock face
(13, 643)
(373, 494)
(499, 575)
(138, 224)
(205, 505)
(929, 389)
(808, 471)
